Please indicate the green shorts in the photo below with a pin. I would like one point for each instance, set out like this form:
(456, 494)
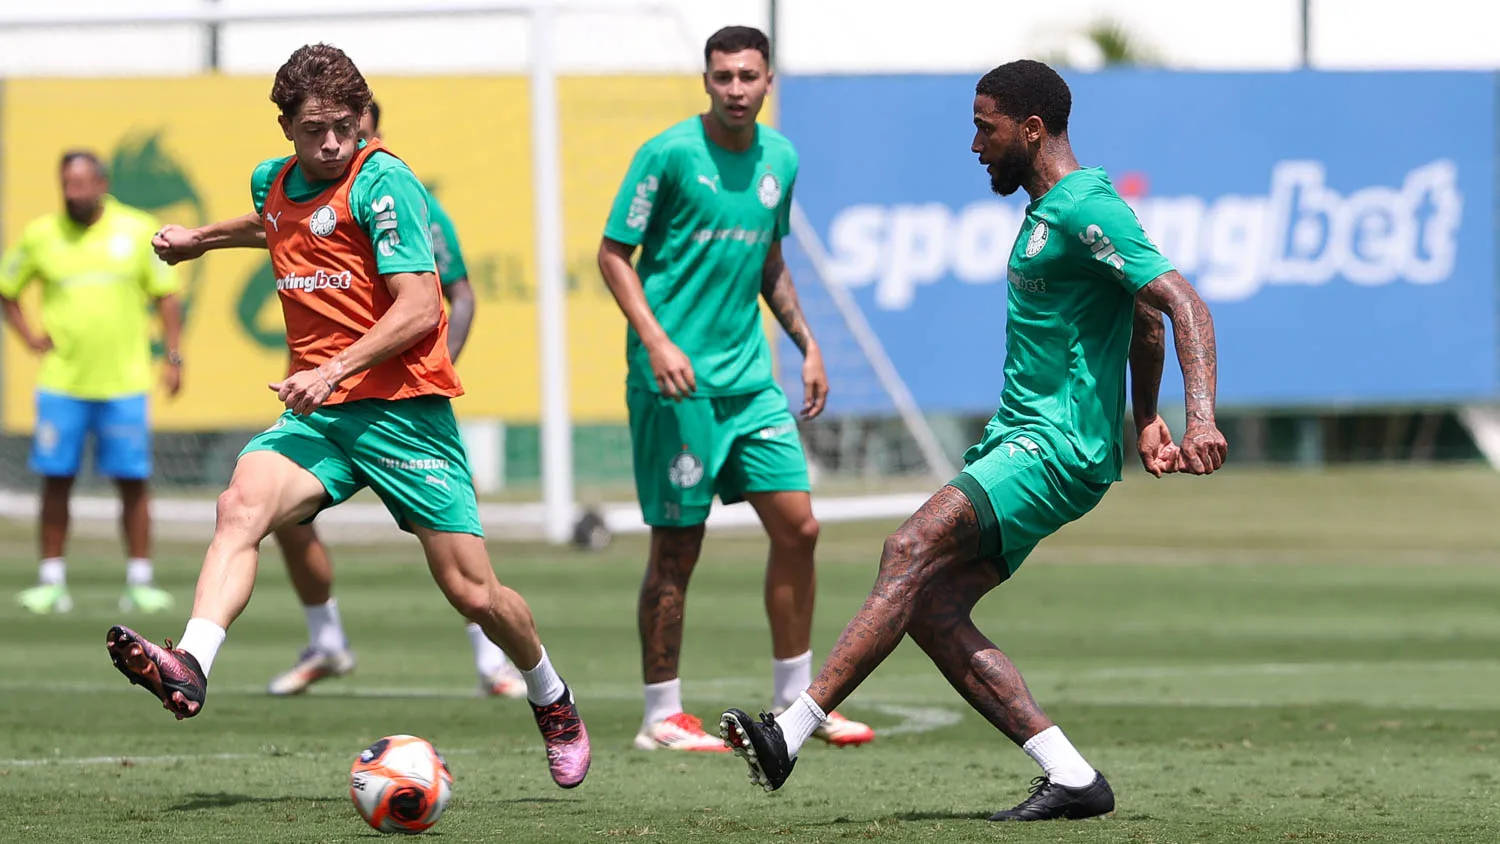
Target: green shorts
(1022, 493)
(686, 451)
(408, 451)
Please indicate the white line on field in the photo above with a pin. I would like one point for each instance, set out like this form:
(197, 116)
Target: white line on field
(914, 720)
(924, 719)
(129, 759)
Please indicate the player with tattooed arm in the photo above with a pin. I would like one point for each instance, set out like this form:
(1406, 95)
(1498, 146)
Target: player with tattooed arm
(1086, 298)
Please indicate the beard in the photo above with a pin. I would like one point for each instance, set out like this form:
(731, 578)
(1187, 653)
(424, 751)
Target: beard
(1007, 173)
(80, 211)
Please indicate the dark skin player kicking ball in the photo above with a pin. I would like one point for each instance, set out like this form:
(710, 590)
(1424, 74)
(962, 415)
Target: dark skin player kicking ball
(1087, 294)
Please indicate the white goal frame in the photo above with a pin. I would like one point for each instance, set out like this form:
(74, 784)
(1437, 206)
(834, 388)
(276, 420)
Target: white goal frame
(558, 512)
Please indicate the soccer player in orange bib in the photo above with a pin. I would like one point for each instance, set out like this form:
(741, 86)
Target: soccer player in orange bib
(367, 396)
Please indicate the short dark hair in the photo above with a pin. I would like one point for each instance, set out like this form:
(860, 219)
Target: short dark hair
(733, 39)
(72, 155)
(1024, 88)
(323, 72)
(374, 115)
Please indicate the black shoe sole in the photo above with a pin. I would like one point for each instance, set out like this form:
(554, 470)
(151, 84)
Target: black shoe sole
(735, 729)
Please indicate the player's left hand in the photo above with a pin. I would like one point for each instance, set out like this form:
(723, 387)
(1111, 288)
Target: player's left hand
(1204, 448)
(303, 392)
(814, 384)
(171, 379)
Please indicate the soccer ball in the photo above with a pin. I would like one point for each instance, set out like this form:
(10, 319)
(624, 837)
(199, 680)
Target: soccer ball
(400, 784)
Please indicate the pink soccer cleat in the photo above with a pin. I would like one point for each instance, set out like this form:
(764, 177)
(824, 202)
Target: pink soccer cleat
(172, 675)
(568, 753)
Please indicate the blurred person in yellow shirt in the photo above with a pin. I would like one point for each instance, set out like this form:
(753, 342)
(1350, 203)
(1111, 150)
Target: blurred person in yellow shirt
(98, 277)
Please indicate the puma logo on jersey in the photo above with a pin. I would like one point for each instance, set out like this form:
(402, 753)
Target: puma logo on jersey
(713, 184)
(1022, 444)
(274, 219)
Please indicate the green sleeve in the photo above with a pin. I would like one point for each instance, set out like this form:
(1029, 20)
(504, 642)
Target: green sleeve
(640, 195)
(261, 179)
(17, 268)
(390, 204)
(1108, 237)
(784, 214)
(445, 249)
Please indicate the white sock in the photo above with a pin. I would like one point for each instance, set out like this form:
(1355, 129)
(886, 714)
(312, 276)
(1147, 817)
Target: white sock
(325, 632)
(663, 700)
(1059, 759)
(202, 639)
(543, 686)
(138, 572)
(789, 678)
(53, 572)
(488, 658)
(799, 721)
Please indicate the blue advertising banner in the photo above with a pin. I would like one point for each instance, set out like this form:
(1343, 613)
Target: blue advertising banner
(1339, 225)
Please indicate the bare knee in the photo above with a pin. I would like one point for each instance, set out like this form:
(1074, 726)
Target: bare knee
(473, 600)
(240, 512)
(801, 535)
(909, 562)
(674, 554)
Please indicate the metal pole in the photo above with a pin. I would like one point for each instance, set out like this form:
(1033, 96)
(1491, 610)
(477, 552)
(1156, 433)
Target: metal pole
(772, 9)
(214, 61)
(551, 281)
(1306, 55)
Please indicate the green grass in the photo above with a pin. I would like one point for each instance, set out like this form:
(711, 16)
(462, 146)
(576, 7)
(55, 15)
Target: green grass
(1257, 657)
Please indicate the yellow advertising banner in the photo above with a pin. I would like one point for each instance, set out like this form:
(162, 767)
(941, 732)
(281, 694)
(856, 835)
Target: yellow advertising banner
(183, 150)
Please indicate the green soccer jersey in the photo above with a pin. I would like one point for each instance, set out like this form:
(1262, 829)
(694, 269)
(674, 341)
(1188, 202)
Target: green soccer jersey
(705, 218)
(1076, 266)
(404, 248)
(445, 248)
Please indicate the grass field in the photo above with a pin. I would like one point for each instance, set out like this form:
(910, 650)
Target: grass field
(1256, 657)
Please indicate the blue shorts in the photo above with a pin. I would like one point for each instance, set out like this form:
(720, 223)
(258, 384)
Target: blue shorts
(122, 436)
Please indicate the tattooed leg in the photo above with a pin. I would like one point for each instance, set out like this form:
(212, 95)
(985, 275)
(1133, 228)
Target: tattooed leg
(942, 534)
(674, 553)
(981, 674)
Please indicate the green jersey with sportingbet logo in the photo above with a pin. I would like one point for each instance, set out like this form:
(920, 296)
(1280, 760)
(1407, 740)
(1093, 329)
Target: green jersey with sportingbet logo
(1076, 266)
(705, 218)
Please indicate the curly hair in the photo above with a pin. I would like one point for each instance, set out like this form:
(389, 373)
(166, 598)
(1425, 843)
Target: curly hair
(323, 72)
(1024, 88)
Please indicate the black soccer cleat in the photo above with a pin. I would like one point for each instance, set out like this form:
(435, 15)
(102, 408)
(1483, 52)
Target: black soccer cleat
(1050, 801)
(171, 674)
(760, 744)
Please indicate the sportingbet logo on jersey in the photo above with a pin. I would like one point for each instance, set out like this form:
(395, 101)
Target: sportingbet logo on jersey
(318, 281)
(1299, 232)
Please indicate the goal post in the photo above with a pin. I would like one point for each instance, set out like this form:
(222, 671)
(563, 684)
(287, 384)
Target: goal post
(576, 133)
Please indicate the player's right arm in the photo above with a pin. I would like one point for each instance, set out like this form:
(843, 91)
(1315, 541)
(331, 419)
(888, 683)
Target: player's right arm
(175, 244)
(17, 269)
(633, 214)
(1147, 355)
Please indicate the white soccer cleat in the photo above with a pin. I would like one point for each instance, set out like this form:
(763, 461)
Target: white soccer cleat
(311, 667)
(679, 732)
(506, 682)
(843, 732)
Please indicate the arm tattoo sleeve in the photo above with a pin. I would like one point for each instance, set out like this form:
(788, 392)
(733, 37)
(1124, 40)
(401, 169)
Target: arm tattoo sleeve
(1193, 331)
(1147, 353)
(776, 288)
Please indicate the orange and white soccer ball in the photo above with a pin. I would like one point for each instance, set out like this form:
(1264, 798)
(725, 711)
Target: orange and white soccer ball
(400, 784)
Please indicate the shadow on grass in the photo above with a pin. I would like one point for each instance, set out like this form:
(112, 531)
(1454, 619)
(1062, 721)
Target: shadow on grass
(225, 800)
(906, 816)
